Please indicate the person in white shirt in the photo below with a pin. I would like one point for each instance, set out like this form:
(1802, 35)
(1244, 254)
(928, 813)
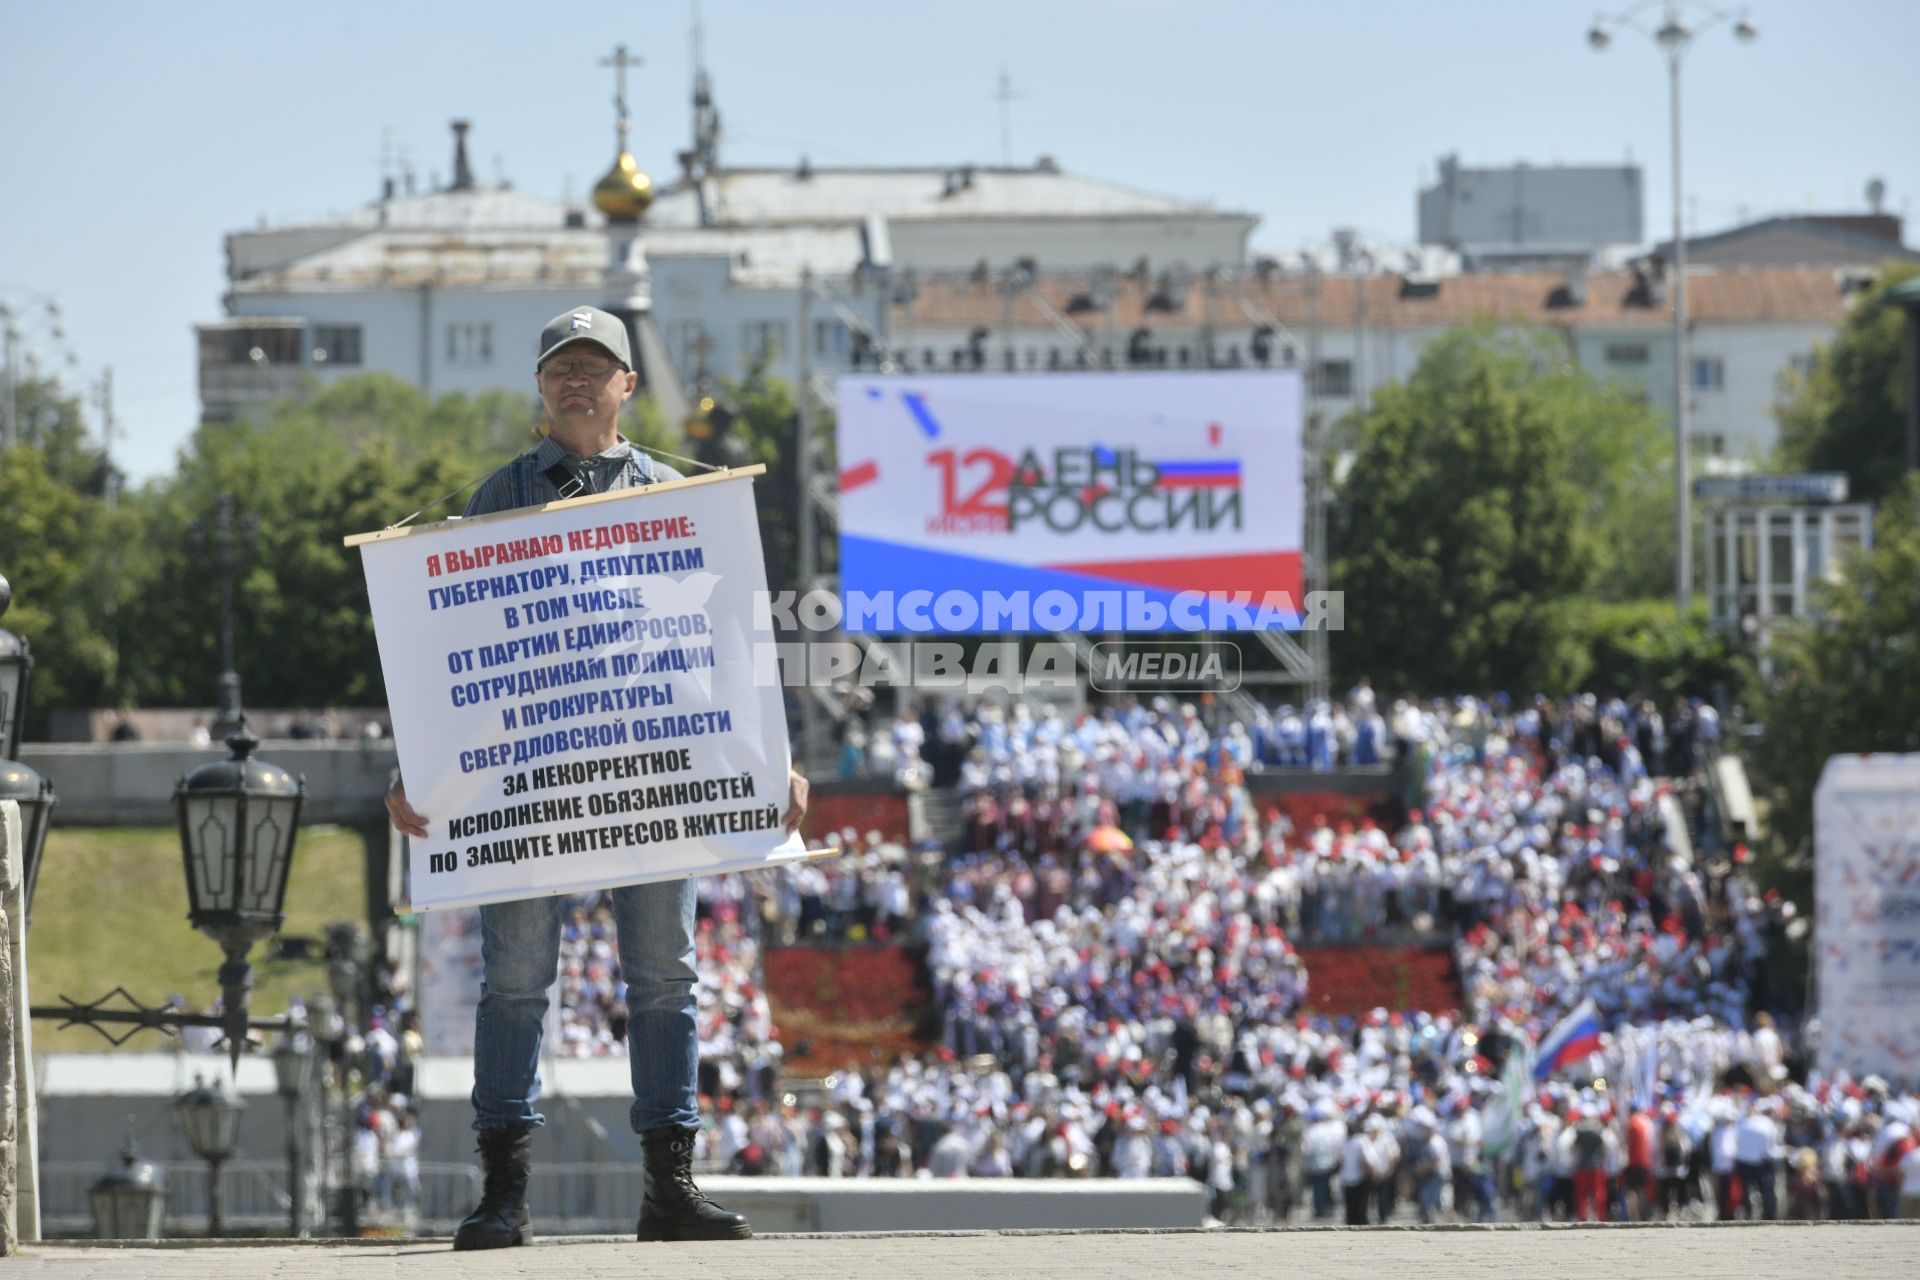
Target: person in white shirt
(1720, 1149)
(1356, 1174)
(1431, 1165)
(1322, 1149)
(401, 1162)
(366, 1160)
(950, 1156)
(1133, 1153)
(1910, 1184)
(1756, 1151)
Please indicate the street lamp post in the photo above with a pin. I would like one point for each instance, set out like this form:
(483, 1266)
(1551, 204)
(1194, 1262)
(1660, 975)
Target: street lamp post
(36, 799)
(129, 1198)
(16, 665)
(227, 542)
(293, 1073)
(1675, 36)
(327, 1034)
(238, 820)
(210, 1114)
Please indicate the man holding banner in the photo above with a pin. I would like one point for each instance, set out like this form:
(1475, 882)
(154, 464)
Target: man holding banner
(585, 375)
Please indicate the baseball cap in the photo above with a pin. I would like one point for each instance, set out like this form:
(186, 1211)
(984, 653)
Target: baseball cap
(586, 324)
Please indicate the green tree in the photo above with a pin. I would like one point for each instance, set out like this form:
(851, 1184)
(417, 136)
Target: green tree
(359, 455)
(1490, 492)
(1847, 413)
(48, 418)
(765, 422)
(1634, 647)
(63, 547)
(1849, 682)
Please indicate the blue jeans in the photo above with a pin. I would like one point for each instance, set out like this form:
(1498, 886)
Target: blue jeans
(1427, 1194)
(1322, 1184)
(520, 943)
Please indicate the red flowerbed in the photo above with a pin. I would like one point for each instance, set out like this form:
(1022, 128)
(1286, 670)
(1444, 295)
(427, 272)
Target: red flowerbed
(1304, 807)
(1358, 979)
(836, 1005)
(830, 812)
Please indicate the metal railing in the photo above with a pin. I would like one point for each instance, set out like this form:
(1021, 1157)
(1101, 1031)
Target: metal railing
(586, 1198)
(253, 1195)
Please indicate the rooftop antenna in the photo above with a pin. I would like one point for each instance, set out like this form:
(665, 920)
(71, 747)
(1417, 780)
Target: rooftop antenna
(706, 122)
(706, 112)
(462, 168)
(1004, 93)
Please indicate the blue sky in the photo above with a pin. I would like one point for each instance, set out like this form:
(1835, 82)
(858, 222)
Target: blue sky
(133, 136)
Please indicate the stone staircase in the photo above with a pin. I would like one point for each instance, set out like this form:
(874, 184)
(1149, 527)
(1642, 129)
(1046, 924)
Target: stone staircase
(934, 814)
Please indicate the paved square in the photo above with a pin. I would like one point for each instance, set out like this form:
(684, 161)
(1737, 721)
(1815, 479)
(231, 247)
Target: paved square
(1829, 1251)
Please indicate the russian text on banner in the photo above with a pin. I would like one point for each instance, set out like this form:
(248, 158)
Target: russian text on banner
(573, 692)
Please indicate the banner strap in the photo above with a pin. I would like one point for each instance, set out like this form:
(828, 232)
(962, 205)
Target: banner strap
(403, 523)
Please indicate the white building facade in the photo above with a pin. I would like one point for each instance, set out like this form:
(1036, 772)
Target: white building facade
(1030, 268)
(446, 291)
(1748, 329)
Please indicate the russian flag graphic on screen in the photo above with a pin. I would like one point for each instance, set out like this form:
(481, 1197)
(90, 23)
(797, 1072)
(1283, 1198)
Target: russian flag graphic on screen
(1172, 491)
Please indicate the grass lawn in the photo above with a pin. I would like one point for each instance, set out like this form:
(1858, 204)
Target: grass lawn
(110, 909)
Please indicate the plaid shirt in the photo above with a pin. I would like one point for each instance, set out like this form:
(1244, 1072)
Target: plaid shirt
(523, 482)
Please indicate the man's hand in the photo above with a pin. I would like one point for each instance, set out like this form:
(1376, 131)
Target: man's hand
(796, 807)
(402, 813)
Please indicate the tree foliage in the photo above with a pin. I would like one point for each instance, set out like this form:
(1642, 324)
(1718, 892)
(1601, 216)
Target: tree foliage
(1634, 647)
(122, 602)
(58, 549)
(1490, 493)
(1849, 682)
(69, 554)
(1847, 413)
(765, 426)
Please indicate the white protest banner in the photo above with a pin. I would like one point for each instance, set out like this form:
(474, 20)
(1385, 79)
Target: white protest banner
(1866, 894)
(574, 692)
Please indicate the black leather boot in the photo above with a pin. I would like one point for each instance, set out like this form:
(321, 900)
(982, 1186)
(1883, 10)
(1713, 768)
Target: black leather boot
(674, 1209)
(501, 1220)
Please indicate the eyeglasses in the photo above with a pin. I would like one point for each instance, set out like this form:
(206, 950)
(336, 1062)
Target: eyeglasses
(567, 366)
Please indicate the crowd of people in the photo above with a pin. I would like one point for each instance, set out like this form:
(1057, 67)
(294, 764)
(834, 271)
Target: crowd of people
(1112, 950)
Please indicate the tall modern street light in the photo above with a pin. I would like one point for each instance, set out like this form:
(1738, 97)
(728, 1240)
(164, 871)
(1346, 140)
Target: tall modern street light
(1681, 21)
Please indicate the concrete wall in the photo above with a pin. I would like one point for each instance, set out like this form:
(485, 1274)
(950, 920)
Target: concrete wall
(1072, 244)
(968, 1204)
(131, 783)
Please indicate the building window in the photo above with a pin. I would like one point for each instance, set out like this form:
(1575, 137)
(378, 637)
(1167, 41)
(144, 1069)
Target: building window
(832, 339)
(279, 346)
(1335, 378)
(470, 344)
(336, 344)
(1628, 353)
(691, 347)
(1709, 373)
(763, 339)
(1710, 443)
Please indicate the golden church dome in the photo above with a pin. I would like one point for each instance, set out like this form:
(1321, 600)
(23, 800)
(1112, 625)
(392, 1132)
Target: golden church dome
(625, 193)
